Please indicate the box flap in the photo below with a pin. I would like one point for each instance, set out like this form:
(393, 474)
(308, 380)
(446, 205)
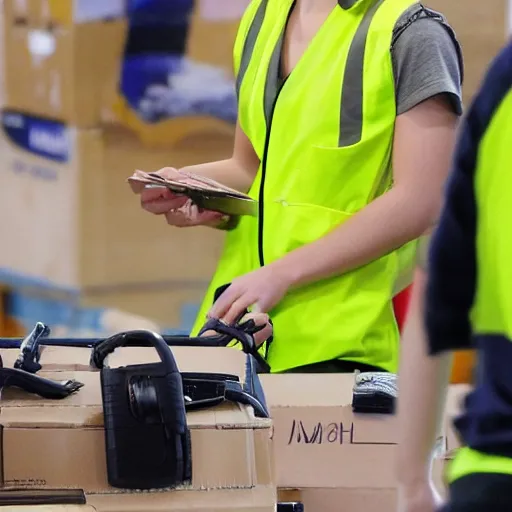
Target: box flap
(9, 356)
(90, 394)
(258, 499)
(189, 359)
(65, 358)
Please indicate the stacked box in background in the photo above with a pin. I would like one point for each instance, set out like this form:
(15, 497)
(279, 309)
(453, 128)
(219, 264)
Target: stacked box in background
(73, 229)
(62, 58)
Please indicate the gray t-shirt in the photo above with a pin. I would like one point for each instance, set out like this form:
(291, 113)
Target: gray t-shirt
(427, 59)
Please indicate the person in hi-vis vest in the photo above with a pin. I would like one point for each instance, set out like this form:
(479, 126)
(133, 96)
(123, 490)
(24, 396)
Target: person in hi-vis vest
(463, 299)
(347, 112)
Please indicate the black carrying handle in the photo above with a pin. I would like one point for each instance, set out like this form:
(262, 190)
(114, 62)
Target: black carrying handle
(28, 359)
(46, 388)
(243, 335)
(202, 391)
(105, 347)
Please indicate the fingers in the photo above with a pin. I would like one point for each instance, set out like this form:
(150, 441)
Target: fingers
(161, 206)
(263, 335)
(236, 309)
(223, 303)
(260, 319)
(189, 215)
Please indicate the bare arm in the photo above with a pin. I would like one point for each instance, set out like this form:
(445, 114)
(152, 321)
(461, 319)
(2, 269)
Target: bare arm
(423, 381)
(237, 172)
(423, 146)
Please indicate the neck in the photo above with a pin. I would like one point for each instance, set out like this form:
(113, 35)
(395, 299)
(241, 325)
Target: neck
(315, 6)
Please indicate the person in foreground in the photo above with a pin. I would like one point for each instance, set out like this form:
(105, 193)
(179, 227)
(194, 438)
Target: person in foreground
(347, 112)
(465, 300)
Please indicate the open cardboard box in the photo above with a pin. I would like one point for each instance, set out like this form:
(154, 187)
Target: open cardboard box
(60, 444)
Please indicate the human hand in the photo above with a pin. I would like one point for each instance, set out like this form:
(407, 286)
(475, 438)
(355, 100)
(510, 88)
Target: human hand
(261, 289)
(179, 210)
(260, 319)
(418, 498)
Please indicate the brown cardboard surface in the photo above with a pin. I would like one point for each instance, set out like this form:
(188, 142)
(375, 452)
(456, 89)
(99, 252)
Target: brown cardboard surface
(54, 358)
(320, 442)
(65, 73)
(258, 499)
(68, 438)
(46, 196)
(345, 500)
(119, 255)
(189, 359)
(9, 357)
(357, 499)
(48, 508)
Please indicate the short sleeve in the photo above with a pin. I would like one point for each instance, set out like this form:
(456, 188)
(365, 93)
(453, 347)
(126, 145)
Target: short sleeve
(427, 60)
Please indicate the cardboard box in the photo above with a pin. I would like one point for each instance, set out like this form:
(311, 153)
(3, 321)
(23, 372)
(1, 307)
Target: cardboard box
(314, 421)
(44, 13)
(68, 438)
(64, 191)
(314, 424)
(65, 72)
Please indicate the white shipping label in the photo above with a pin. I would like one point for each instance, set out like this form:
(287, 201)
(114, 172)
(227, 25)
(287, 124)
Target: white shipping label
(41, 44)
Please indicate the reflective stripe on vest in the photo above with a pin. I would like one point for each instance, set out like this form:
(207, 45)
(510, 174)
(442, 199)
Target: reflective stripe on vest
(324, 140)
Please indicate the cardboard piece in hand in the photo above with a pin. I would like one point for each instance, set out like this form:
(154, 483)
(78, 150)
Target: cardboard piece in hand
(204, 192)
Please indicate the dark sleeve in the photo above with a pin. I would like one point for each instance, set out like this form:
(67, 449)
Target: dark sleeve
(453, 255)
(427, 60)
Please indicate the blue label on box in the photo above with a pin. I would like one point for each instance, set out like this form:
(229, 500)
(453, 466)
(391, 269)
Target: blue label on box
(45, 138)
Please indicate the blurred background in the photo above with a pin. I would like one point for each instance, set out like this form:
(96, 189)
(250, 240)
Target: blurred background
(90, 91)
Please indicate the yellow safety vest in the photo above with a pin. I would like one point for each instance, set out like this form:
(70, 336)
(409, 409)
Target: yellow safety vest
(324, 139)
(493, 298)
